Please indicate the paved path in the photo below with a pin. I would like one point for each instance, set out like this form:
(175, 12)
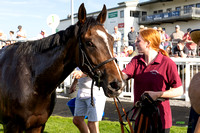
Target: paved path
(180, 110)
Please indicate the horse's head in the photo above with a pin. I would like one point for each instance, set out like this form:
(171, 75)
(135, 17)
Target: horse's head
(96, 52)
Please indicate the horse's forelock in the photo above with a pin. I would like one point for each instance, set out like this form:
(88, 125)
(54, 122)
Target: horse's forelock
(90, 22)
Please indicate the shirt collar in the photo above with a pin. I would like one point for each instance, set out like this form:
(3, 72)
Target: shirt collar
(157, 60)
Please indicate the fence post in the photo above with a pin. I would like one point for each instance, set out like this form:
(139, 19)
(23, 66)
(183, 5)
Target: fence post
(187, 80)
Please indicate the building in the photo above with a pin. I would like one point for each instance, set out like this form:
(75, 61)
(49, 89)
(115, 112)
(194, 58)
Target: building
(159, 13)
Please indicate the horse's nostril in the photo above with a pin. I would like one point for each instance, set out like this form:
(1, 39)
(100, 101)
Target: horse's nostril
(115, 85)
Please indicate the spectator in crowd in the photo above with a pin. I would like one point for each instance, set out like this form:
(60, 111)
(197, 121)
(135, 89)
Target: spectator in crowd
(141, 27)
(166, 43)
(21, 34)
(161, 79)
(192, 47)
(132, 37)
(83, 105)
(193, 117)
(131, 52)
(117, 40)
(11, 38)
(162, 37)
(181, 50)
(155, 28)
(175, 36)
(169, 50)
(42, 34)
(3, 38)
(124, 53)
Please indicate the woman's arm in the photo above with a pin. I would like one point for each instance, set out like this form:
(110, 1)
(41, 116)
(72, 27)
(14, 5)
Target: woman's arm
(125, 77)
(173, 92)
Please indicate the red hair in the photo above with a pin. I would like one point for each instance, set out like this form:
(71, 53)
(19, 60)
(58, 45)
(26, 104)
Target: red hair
(153, 37)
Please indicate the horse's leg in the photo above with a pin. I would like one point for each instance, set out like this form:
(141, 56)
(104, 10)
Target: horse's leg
(12, 128)
(36, 130)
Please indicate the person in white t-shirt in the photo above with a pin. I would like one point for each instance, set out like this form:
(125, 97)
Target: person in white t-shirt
(117, 40)
(20, 34)
(83, 105)
(3, 38)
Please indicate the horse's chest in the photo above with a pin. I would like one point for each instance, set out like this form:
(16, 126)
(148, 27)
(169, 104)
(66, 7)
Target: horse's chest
(39, 113)
(36, 120)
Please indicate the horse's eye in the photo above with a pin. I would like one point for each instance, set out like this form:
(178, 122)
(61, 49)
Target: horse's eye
(90, 44)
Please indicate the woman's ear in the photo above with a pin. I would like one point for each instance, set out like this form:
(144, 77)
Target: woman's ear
(148, 44)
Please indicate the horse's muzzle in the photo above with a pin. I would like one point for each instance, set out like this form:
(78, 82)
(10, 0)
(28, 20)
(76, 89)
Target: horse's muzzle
(114, 88)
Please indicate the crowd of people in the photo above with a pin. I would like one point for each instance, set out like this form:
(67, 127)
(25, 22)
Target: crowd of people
(177, 44)
(19, 35)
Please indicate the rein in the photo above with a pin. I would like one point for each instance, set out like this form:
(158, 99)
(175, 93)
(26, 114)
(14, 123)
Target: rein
(120, 117)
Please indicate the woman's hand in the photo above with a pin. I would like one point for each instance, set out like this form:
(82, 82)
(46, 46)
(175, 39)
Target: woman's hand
(154, 95)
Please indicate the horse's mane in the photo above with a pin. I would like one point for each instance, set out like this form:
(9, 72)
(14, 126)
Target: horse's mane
(55, 40)
(44, 44)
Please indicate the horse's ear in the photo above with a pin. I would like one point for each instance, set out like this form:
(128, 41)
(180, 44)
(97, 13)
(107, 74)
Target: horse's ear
(82, 14)
(102, 16)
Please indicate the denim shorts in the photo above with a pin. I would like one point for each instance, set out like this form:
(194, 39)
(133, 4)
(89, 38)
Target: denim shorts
(83, 107)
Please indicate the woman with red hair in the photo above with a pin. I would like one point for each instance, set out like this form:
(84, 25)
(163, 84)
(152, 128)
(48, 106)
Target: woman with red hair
(154, 73)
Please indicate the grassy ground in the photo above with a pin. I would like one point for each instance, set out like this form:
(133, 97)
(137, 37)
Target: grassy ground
(57, 124)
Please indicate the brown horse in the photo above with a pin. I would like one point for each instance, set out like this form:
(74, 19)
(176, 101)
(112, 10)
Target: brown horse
(31, 71)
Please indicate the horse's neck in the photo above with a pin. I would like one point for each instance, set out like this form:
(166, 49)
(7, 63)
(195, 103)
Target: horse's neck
(55, 65)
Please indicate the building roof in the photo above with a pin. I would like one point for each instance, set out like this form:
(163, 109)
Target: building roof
(152, 1)
(120, 5)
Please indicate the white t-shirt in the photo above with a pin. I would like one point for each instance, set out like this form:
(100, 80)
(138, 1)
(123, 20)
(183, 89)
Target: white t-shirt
(84, 90)
(115, 36)
(22, 33)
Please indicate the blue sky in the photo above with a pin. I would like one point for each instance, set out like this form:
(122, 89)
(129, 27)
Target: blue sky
(32, 14)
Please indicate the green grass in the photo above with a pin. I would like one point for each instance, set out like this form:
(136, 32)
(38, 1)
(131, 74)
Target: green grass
(57, 124)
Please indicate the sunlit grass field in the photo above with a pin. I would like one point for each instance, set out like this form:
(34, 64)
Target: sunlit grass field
(57, 124)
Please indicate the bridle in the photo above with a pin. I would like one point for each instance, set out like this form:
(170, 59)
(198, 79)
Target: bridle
(92, 70)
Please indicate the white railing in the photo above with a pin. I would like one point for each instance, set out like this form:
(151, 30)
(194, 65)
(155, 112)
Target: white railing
(187, 68)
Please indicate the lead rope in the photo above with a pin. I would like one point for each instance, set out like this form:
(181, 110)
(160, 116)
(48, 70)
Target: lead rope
(129, 123)
(92, 100)
(120, 117)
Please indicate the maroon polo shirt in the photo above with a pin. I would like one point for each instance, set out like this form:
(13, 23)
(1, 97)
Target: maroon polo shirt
(160, 75)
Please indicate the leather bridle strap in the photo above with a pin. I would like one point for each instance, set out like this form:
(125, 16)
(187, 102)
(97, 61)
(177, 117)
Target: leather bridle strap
(120, 117)
(103, 63)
